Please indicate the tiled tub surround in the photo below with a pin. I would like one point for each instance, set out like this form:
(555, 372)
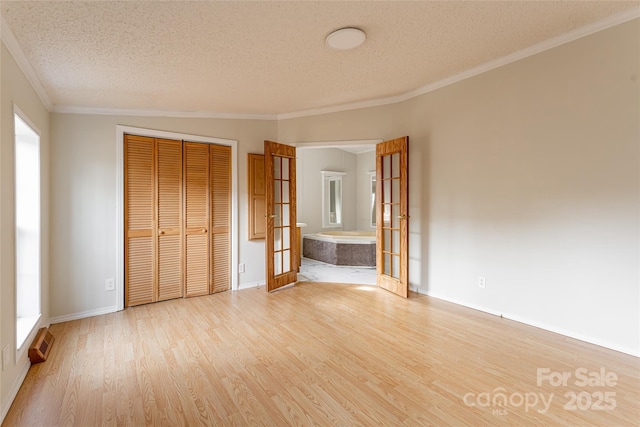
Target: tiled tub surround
(352, 248)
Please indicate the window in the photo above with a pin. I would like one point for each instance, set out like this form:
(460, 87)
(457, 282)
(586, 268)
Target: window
(332, 199)
(372, 206)
(27, 231)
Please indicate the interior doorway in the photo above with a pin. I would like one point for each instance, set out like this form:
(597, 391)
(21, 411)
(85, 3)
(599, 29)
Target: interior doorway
(336, 194)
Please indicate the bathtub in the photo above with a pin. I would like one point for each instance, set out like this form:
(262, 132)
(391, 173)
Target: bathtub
(347, 248)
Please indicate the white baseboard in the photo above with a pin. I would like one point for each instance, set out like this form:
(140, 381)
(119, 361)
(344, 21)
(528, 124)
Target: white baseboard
(82, 314)
(570, 334)
(251, 285)
(13, 392)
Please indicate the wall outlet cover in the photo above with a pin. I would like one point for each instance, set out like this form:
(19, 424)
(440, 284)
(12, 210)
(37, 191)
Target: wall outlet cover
(482, 282)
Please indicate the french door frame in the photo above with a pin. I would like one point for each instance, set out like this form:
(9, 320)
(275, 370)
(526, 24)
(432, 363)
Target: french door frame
(120, 132)
(355, 143)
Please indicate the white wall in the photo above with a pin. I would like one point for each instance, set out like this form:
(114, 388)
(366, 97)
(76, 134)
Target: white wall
(366, 162)
(533, 183)
(15, 88)
(309, 164)
(527, 175)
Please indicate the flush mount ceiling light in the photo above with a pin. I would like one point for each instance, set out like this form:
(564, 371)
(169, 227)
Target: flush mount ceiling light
(346, 38)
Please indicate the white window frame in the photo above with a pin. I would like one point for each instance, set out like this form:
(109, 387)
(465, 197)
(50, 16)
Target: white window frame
(22, 342)
(327, 178)
(372, 199)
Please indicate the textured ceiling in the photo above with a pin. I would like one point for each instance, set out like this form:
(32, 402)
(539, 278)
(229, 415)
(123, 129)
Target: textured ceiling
(269, 57)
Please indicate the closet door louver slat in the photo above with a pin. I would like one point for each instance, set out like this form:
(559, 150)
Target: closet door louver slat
(169, 167)
(139, 220)
(140, 272)
(196, 172)
(220, 184)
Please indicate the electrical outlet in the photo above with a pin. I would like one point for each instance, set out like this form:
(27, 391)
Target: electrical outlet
(481, 282)
(109, 284)
(241, 268)
(5, 357)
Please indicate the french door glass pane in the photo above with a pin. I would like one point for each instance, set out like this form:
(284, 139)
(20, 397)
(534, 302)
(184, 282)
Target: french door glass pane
(386, 189)
(277, 188)
(395, 266)
(285, 215)
(386, 167)
(286, 238)
(386, 215)
(395, 241)
(395, 191)
(395, 216)
(387, 264)
(277, 263)
(287, 261)
(395, 165)
(277, 211)
(387, 240)
(276, 167)
(277, 239)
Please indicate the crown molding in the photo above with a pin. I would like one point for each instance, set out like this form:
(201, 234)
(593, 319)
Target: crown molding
(66, 109)
(576, 34)
(14, 48)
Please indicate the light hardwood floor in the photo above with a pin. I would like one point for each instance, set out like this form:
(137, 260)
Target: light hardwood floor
(316, 354)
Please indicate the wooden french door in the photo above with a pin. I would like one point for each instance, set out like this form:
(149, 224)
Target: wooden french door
(392, 215)
(280, 239)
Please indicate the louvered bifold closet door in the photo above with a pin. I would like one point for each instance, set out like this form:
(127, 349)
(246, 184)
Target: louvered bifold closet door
(196, 184)
(139, 219)
(169, 196)
(220, 184)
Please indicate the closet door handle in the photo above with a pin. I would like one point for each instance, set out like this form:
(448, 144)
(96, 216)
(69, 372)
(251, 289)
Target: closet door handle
(204, 230)
(161, 232)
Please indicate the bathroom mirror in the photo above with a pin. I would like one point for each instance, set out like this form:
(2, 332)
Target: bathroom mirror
(332, 199)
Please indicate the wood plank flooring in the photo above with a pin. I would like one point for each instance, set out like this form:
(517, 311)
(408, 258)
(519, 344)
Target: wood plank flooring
(318, 355)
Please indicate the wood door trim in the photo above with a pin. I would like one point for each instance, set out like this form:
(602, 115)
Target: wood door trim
(156, 243)
(256, 194)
